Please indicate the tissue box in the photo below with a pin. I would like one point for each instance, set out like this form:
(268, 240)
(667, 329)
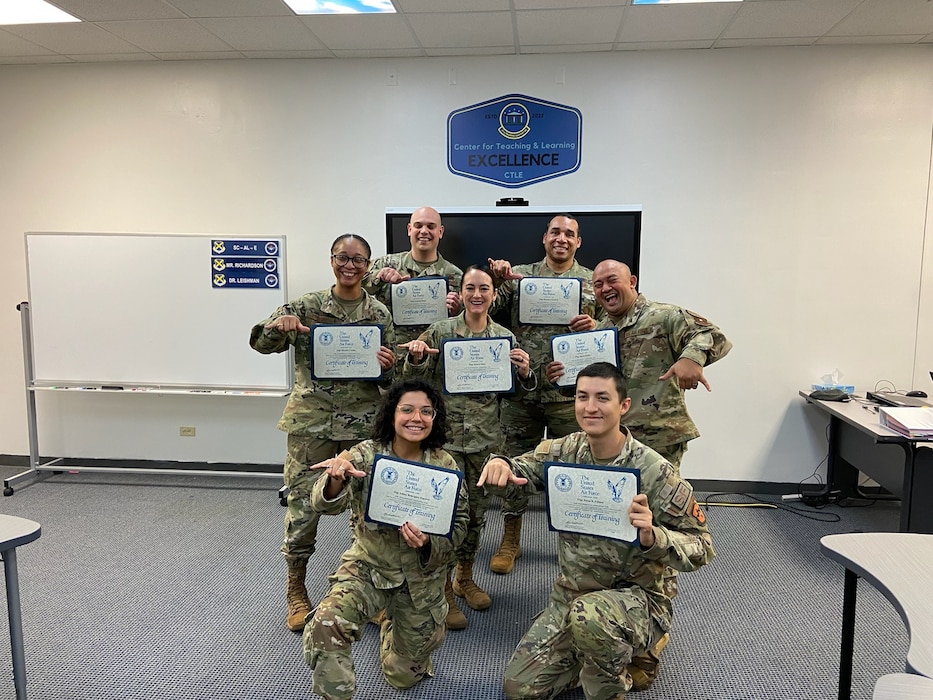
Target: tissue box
(848, 388)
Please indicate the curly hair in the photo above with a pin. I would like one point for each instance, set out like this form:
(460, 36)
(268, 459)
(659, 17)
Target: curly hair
(384, 425)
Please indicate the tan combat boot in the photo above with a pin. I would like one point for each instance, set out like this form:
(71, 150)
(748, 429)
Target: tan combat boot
(456, 620)
(510, 548)
(465, 587)
(644, 667)
(297, 595)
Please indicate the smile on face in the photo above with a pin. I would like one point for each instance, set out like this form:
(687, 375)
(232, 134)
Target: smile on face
(597, 406)
(414, 419)
(425, 232)
(349, 275)
(477, 292)
(562, 239)
(614, 287)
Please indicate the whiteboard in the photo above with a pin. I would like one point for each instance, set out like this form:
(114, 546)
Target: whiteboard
(144, 310)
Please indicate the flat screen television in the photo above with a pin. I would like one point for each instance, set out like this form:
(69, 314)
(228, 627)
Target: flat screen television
(474, 234)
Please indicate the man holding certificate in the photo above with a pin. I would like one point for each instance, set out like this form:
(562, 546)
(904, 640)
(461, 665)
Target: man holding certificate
(341, 336)
(419, 286)
(551, 297)
(608, 615)
(409, 508)
(472, 358)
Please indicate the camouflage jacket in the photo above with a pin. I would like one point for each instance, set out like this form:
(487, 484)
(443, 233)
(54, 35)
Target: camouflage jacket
(473, 418)
(332, 410)
(379, 551)
(406, 265)
(536, 340)
(590, 563)
(652, 337)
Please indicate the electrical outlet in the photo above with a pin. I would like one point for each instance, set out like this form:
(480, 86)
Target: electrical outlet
(186, 431)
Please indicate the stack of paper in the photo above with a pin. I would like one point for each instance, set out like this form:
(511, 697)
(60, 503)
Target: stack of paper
(911, 421)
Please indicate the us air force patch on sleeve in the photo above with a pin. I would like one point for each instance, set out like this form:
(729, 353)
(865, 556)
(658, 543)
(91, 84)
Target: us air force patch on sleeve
(679, 500)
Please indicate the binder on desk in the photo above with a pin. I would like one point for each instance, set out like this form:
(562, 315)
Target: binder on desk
(915, 422)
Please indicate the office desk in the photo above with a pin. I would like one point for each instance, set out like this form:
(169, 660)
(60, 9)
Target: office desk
(859, 443)
(900, 565)
(13, 533)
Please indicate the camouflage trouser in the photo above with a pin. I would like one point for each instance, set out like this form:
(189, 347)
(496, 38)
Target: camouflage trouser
(472, 466)
(408, 636)
(673, 454)
(300, 521)
(523, 423)
(588, 643)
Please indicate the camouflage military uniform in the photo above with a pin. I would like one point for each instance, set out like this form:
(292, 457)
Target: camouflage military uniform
(524, 418)
(380, 572)
(652, 337)
(607, 603)
(473, 418)
(321, 417)
(406, 265)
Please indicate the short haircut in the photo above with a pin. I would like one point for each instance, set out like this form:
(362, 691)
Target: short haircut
(566, 216)
(344, 236)
(605, 370)
(384, 425)
(482, 267)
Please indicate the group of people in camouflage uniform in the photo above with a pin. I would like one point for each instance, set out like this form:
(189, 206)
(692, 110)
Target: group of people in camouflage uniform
(663, 350)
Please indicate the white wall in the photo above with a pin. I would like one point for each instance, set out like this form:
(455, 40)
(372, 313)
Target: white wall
(785, 196)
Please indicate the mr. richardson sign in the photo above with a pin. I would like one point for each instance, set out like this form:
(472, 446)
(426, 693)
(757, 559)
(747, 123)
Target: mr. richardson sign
(514, 140)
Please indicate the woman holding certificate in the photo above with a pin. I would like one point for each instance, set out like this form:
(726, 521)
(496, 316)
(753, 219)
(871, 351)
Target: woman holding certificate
(336, 334)
(392, 563)
(473, 359)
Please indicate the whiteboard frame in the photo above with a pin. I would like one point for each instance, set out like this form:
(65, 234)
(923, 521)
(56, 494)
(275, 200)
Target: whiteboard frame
(92, 289)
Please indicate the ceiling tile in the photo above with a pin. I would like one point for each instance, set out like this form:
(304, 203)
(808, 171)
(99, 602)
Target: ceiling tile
(566, 48)
(73, 38)
(791, 18)
(352, 32)
(12, 45)
(113, 10)
(676, 22)
(765, 41)
(880, 18)
(378, 53)
(479, 51)
(167, 36)
(319, 53)
(22, 60)
(855, 40)
(582, 5)
(590, 26)
(465, 29)
(233, 8)
(113, 57)
(664, 45)
(263, 33)
(197, 55)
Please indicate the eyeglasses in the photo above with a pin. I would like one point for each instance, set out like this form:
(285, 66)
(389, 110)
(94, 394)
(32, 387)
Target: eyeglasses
(357, 260)
(426, 411)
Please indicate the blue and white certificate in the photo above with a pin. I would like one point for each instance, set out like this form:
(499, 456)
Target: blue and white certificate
(425, 496)
(477, 365)
(577, 350)
(591, 500)
(419, 301)
(549, 301)
(345, 351)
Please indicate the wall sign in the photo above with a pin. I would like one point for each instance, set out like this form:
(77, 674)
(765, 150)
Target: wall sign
(239, 263)
(514, 140)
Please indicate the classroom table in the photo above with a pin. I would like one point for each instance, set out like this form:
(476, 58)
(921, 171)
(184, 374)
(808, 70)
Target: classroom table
(15, 532)
(900, 565)
(859, 443)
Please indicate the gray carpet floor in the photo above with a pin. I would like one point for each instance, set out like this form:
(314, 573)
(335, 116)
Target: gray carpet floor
(172, 587)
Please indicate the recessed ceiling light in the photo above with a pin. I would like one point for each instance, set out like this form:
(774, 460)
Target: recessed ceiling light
(32, 12)
(675, 2)
(339, 7)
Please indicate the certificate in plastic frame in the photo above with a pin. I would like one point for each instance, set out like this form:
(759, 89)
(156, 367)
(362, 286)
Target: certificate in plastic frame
(577, 350)
(591, 500)
(477, 365)
(340, 352)
(401, 491)
(419, 301)
(549, 301)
